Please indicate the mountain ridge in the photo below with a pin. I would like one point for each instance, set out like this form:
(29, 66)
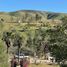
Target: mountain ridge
(30, 16)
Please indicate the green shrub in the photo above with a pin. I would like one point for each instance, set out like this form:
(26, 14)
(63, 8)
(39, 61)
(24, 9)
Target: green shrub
(63, 65)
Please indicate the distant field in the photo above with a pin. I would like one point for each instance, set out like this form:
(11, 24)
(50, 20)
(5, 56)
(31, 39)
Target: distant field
(43, 65)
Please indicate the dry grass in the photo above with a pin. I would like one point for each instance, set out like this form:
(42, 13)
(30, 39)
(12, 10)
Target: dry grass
(43, 65)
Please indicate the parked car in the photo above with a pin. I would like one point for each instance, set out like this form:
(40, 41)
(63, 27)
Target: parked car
(21, 55)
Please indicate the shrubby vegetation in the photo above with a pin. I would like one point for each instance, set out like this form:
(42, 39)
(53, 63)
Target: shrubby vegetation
(3, 55)
(38, 39)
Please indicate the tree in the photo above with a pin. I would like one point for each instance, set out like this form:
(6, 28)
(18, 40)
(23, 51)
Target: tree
(59, 52)
(58, 44)
(6, 39)
(38, 41)
(17, 41)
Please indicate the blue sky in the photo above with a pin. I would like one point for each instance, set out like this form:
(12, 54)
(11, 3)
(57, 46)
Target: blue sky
(44, 5)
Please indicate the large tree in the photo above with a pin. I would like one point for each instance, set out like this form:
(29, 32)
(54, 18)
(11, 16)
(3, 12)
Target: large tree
(58, 44)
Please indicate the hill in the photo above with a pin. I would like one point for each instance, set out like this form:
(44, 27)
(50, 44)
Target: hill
(30, 16)
(33, 27)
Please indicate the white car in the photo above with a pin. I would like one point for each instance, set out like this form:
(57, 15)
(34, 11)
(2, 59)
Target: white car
(21, 55)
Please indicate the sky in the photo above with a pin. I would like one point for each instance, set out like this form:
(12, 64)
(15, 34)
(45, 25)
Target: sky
(43, 5)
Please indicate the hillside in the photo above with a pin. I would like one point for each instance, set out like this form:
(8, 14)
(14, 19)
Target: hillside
(30, 16)
(33, 27)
